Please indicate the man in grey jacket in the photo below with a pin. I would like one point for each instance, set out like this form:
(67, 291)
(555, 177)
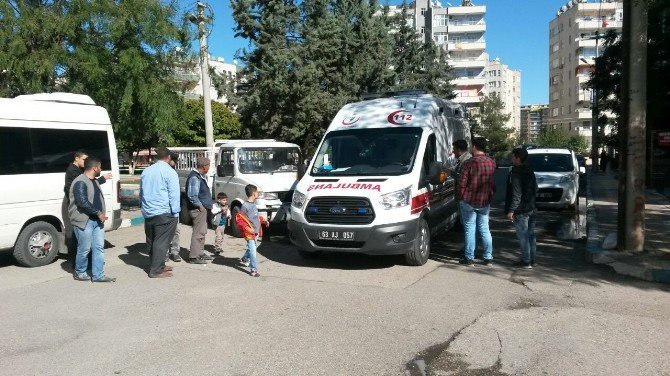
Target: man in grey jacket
(87, 215)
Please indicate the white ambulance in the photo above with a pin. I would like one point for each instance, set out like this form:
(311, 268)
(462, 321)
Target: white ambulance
(377, 184)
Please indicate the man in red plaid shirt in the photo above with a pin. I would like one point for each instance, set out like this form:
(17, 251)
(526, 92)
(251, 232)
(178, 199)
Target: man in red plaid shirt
(475, 193)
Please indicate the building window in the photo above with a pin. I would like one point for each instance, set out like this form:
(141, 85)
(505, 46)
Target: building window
(423, 11)
(422, 30)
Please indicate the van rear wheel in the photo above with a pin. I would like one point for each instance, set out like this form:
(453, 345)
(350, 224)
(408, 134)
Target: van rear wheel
(420, 251)
(37, 245)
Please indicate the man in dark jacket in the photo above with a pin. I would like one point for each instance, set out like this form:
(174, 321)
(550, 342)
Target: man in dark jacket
(520, 205)
(199, 201)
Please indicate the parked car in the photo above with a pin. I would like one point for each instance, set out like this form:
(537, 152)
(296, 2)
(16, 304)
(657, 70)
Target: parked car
(557, 173)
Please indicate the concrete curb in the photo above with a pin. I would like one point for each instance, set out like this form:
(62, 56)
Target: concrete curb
(130, 222)
(596, 255)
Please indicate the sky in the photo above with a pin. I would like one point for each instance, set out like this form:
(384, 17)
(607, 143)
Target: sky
(517, 32)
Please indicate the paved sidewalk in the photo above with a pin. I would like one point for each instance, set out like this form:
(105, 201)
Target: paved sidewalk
(602, 198)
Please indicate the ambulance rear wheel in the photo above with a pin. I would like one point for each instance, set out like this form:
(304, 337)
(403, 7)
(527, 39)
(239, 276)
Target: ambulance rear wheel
(420, 251)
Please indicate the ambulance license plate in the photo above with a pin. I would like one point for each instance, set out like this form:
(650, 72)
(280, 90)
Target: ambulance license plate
(337, 235)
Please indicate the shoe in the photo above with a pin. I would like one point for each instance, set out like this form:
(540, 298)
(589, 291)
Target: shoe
(167, 268)
(254, 273)
(205, 257)
(217, 253)
(522, 264)
(466, 262)
(533, 263)
(175, 257)
(165, 274)
(488, 262)
(82, 277)
(244, 262)
(196, 260)
(104, 279)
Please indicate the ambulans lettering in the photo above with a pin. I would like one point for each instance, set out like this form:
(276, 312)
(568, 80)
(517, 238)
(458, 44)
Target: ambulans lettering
(370, 187)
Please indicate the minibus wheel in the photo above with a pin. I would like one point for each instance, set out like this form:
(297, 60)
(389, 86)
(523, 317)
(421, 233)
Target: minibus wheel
(37, 244)
(420, 251)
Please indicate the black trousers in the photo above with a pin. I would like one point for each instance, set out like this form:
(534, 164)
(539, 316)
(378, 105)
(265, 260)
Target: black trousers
(159, 231)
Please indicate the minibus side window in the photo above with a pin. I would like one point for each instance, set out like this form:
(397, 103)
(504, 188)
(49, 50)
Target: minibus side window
(15, 157)
(53, 149)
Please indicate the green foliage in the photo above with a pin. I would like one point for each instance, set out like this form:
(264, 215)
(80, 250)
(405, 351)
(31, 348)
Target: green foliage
(607, 77)
(308, 58)
(190, 129)
(562, 139)
(120, 53)
(490, 123)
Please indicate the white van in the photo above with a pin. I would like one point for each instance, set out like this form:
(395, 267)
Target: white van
(557, 173)
(38, 137)
(270, 165)
(377, 183)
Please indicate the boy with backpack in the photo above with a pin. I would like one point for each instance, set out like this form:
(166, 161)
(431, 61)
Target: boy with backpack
(221, 213)
(249, 223)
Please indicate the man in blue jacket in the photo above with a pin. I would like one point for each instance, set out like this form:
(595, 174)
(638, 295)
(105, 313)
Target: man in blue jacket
(159, 199)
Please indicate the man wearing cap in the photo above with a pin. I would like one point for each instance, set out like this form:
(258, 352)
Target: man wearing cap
(159, 199)
(199, 201)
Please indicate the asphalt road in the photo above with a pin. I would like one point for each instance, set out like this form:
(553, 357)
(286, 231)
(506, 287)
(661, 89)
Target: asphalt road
(340, 315)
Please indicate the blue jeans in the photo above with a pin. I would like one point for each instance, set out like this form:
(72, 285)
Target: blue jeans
(90, 239)
(250, 255)
(525, 232)
(476, 220)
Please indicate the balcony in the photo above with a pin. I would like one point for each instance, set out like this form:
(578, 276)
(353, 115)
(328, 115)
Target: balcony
(595, 24)
(469, 81)
(468, 99)
(467, 10)
(467, 63)
(585, 43)
(583, 113)
(584, 96)
(466, 46)
(479, 27)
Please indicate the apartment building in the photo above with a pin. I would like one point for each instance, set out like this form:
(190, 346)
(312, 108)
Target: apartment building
(572, 52)
(192, 79)
(533, 118)
(505, 82)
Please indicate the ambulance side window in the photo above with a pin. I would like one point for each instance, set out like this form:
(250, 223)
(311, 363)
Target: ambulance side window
(429, 157)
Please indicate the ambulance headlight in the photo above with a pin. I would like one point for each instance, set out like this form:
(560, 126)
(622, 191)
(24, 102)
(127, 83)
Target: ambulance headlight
(396, 199)
(298, 199)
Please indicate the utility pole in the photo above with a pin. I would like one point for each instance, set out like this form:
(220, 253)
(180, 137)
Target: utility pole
(631, 207)
(595, 131)
(201, 21)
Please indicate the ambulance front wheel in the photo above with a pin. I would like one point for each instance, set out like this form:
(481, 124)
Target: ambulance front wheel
(420, 251)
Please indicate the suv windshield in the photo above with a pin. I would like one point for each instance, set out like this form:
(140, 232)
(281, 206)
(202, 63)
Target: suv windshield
(378, 151)
(268, 160)
(551, 162)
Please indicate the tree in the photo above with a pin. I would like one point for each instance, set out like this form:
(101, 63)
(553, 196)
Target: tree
(191, 127)
(490, 123)
(120, 53)
(562, 139)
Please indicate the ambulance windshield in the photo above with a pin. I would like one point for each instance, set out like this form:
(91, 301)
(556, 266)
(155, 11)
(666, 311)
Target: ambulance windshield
(365, 152)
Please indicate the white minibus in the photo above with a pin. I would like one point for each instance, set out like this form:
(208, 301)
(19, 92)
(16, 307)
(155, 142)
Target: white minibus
(39, 134)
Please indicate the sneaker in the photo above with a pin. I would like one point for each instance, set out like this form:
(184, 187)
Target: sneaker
(206, 257)
(175, 257)
(244, 262)
(82, 277)
(196, 260)
(254, 273)
(522, 264)
(466, 262)
(104, 279)
(488, 262)
(533, 263)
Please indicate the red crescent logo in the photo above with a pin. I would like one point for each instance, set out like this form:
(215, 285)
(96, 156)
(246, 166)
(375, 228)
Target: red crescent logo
(400, 117)
(351, 120)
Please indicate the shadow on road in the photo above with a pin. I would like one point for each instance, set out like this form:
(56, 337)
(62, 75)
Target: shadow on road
(280, 250)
